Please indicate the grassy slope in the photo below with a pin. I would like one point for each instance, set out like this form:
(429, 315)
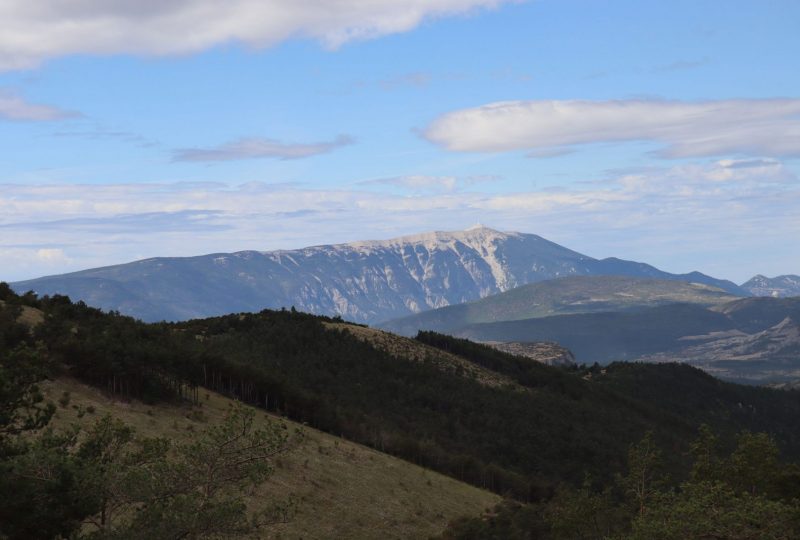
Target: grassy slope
(404, 347)
(346, 490)
(29, 316)
(564, 296)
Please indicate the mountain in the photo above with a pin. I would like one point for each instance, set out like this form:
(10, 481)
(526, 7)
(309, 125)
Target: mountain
(608, 336)
(780, 286)
(751, 339)
(367, 281)
(769, 355)
(562, 296)
(755, 314)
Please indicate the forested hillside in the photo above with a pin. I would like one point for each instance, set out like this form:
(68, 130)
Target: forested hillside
(544, 428)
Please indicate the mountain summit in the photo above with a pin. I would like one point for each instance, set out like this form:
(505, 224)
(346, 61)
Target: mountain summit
(367, 281)
(781, 286)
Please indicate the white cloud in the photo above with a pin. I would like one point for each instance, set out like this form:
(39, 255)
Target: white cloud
(254, 148)
(731, 218)
(33, 31)
(29, 260)
(15, 108)
(51, 255)
(760, 127)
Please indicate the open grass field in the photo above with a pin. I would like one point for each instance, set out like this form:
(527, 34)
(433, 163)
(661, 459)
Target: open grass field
(345, 490)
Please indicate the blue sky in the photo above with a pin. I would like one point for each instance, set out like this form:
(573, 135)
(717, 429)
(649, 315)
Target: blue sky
(667, 132)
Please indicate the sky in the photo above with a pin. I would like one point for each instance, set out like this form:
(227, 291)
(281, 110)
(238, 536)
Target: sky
(664, 132)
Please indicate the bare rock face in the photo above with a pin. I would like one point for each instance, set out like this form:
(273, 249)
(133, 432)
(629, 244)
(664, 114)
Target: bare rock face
(545, 352)
(369, 281)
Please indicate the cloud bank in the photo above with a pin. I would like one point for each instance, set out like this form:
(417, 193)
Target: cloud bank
(731, 218)
(33, 31)
(255, 148)
(759, 127)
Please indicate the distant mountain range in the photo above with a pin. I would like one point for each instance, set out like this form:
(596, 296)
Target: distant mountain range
(368, 281)
(563, 296)
(747, 339)
(779, 287)
(772, 354)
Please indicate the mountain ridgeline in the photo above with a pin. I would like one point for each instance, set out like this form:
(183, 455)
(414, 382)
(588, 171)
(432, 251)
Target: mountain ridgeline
(366, 282)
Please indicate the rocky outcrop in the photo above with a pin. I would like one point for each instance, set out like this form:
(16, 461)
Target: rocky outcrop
(545, 352)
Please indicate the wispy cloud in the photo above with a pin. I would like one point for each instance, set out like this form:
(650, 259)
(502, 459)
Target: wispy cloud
(728, 217)
(13, 107)
(416, 183)
(758, 127)
(35, 31)
(431, 184)
(417, 78)
(255, 148)
(155, 222)
(102, 134)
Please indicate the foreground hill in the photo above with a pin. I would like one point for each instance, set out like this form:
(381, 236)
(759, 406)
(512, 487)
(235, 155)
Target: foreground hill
(344, 490)
(563, 296)
(368, 281)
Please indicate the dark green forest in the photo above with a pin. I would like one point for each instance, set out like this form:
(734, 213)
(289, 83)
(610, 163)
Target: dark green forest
(744, 493)
(532, 442)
